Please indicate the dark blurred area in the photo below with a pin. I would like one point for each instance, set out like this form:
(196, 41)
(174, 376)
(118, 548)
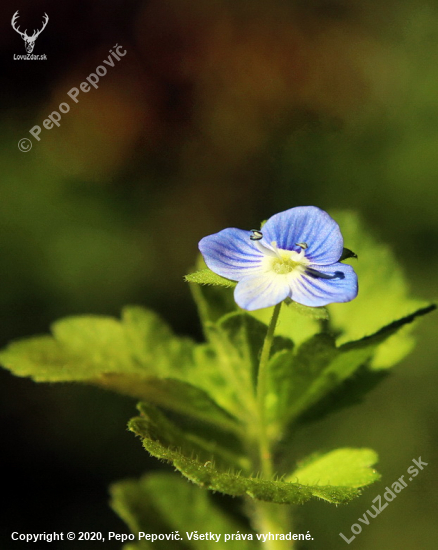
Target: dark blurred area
(220, 114)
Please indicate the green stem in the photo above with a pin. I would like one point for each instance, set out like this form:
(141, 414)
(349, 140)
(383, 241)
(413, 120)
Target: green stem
(268, 517)
(273, 518)
(262, 380)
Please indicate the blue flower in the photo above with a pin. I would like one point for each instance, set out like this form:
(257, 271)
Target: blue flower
(295, 255)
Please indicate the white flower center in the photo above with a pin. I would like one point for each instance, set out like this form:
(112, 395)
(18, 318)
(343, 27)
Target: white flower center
(287, 262)
(283, 262)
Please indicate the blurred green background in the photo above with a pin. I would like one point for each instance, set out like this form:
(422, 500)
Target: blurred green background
(220, 114)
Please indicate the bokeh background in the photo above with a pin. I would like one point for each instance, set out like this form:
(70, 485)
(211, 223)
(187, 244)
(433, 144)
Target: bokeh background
(221, 113)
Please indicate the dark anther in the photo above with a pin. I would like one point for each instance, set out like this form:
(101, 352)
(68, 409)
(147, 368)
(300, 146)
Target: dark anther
(302, 245)
(256, 235)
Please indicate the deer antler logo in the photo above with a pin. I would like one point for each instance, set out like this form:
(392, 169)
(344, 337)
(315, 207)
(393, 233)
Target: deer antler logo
(29, 41)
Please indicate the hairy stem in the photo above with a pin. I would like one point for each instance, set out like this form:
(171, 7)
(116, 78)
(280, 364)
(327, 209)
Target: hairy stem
(268, 518)
(262, 380)
(273, 519)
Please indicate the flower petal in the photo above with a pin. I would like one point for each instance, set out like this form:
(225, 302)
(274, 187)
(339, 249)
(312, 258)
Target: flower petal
(261, 291)
(314, 291)
(310, 225)
(231, 254)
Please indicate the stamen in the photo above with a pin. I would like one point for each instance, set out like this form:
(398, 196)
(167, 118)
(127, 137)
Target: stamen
(302, 245)
(275, 248)
(256, 237)
(265, 250)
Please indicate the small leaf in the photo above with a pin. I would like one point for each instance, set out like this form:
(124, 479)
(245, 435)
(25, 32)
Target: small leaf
(347, 253)
(148, 505)
(208, 277)
(342, 468)
(207, 475)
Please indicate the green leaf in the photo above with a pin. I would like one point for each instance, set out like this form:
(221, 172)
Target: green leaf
(342, 365)
(389, 330)
(351, 392)
(152, 343)
(300, 380)
(207, 474)
(341, 468)
(173, 395)
(208, 277)
(137, 356)
(148, 505)
(134, 504)
(154, 425)
(291, 374)
(85, 347)
(383, 294)
(242, 337)
(237, 339)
